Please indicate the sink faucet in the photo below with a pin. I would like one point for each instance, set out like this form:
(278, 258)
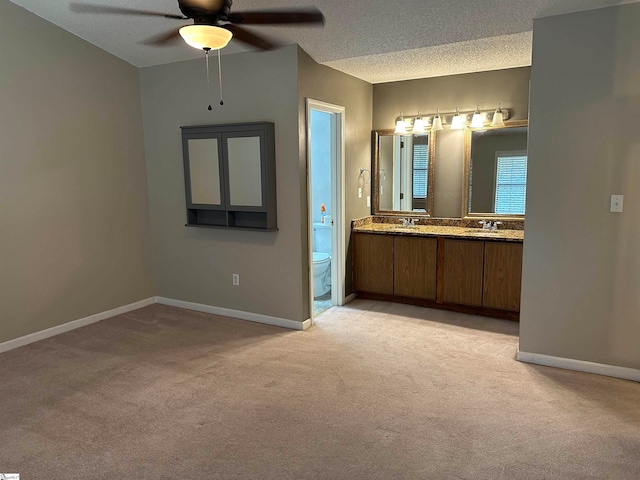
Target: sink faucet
(489, 225)
(409, 222)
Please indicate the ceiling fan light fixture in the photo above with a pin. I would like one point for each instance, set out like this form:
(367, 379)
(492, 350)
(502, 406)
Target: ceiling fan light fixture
(206, 36)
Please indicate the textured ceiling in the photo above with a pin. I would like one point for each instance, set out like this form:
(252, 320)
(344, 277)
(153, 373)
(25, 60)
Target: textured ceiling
(376, 40)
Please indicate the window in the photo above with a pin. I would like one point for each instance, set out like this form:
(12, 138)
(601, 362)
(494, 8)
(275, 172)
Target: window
(420, 171)
(511, 182)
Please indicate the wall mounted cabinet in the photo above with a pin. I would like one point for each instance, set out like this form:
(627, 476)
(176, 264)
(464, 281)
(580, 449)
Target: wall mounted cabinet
(230, 177)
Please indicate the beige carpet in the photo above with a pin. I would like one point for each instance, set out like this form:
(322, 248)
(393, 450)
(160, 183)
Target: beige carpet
(374, 391)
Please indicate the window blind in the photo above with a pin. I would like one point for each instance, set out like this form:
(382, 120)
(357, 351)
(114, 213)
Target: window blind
(511, 184)
(420, 165)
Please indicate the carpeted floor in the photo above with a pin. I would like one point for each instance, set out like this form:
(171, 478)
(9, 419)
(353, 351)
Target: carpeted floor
(373, 391)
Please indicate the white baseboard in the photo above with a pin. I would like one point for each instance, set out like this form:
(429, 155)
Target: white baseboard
(349, 298)
(227, 312)
(580, 365)
(66, 327)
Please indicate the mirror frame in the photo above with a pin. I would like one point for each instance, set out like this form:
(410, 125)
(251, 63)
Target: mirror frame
(466, 214)
(375, 177)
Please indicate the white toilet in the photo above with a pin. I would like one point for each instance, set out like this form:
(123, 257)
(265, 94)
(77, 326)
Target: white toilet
(321, 259)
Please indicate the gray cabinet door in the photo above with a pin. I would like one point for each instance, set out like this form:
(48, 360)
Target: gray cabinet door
(204, 173)
(245, 161)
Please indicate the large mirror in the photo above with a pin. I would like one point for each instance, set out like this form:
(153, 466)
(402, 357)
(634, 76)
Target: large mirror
(403, 170)
(495, 171)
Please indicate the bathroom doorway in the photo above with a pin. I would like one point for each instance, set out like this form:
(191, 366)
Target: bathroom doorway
(325, 167)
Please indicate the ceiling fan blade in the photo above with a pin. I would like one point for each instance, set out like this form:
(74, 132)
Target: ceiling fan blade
(84, 8)
(274, 17)
(248, 37)
(164, 38)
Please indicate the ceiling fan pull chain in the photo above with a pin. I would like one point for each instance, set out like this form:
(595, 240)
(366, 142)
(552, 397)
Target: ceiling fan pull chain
(220, 77)
(206, 56)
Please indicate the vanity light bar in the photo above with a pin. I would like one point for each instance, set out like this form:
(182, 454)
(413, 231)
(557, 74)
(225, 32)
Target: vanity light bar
(447, 118)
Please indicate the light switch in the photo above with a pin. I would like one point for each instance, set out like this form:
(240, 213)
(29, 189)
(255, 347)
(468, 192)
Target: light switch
(368, 200)
(359, 192)
(616, 203)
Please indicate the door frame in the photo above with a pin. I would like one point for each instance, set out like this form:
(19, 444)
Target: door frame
(338, 239)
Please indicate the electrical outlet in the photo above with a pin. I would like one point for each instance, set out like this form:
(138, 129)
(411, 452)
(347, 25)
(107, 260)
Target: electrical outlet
(236, 279)
(616, 203)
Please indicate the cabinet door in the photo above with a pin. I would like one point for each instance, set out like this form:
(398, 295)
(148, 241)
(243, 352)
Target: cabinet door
(414, 267)
(502, 275)
(245, 169)
(462, 272)
(373, 263)
(203, 172)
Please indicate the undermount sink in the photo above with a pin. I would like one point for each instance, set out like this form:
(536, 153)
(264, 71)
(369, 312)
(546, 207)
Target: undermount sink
(480, 230)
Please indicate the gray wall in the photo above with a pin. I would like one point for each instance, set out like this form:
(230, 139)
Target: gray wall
(487, 89)
(581, 280)
(196, 264)
(328, 85)
(74, 225)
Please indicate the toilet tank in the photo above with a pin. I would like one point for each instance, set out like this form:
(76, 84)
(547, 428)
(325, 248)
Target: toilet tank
(322, 237)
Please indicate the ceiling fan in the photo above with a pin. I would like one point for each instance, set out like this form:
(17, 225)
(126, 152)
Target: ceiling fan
(214, 24)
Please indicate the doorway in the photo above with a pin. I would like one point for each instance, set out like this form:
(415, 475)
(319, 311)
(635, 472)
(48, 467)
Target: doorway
(325, 190)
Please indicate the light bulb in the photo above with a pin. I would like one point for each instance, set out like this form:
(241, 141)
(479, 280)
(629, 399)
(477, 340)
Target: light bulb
(498, 118)
(437, 122)
(457, 122)
(400, 126)
(418, 124)
(477, 121)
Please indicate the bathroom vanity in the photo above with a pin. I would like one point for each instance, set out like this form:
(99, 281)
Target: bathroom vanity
(450, 267)
(447, 263)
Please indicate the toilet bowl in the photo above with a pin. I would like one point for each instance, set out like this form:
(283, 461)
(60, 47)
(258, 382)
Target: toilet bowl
(321, 259)
(321, 274)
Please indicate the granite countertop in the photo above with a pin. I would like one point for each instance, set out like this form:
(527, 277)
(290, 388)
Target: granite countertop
(442, 231)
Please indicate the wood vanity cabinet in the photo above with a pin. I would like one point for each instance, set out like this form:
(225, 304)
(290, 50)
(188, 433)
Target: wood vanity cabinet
(462, 272)
(373, 263)
(414, 267)
(502, 275)
(472, 276)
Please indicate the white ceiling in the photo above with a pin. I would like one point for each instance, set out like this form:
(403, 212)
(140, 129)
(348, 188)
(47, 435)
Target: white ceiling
(376, 40)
